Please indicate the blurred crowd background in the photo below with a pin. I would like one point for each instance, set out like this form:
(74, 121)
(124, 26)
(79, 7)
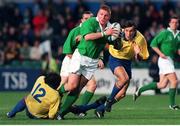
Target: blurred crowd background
(25, 24)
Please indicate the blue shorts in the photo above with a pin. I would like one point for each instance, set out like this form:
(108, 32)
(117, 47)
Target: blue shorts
(115, 62)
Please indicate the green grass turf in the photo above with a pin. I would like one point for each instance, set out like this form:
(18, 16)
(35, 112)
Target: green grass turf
(146, 110)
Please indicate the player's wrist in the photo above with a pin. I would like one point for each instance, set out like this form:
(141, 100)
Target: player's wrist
(101, 57)
(103, 34)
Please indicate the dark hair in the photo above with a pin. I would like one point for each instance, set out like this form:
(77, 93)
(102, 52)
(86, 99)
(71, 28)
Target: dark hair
(86, 12)
(173, 17)
(53, 80)
(106, 7)
(129, 23)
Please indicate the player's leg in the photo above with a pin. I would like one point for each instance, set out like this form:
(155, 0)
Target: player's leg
(151, 86)
(20, 106)
(90, 89)
(72, 96)
(123, 78)
(69, 100)
(74, 70)
(122, 93)
(99, 112)
(165, 67)
(172, 90)
(84, 108)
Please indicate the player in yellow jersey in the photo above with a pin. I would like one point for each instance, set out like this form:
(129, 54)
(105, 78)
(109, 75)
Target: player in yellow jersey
(133, 47)
(44, 100)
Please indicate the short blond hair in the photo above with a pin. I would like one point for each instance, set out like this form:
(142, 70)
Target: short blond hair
(106, 8)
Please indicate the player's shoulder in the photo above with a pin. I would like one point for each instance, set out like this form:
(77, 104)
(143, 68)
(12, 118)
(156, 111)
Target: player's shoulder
(139, 35)
(91, 20)
(75, 29)
(40, 78)
(164, 31)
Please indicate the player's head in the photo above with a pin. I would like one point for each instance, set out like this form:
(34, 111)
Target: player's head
(104, 14)
(129, 29)
(174, 22)
(53, 80)
(86, 15)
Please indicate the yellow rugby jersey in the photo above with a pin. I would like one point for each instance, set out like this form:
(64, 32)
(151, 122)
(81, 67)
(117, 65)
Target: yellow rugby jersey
(43, 101)
(127, 50)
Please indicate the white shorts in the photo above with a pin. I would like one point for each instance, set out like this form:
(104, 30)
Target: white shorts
(166, 65)
(65, 66)
(83, 65)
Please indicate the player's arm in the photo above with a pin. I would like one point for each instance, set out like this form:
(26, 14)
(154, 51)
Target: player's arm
(94, 36)
(156, 42)
(141, 51)
(157, 50)
(179, 52)
(100, 62)
(78, 38)
(89, 31)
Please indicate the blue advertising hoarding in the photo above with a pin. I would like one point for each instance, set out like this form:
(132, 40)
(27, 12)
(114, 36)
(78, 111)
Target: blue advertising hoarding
(20, 79)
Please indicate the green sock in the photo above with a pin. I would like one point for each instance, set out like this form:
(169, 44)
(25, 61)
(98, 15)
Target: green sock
(86, 97)
(62, 89)
(150, 86)
(172, 92)
(70, 99)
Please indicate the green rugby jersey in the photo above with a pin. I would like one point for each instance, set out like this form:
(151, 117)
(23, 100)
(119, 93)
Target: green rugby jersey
(91, 48)
(70, 44)
(167, 42)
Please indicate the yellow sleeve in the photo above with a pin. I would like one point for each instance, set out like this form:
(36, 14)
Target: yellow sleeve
(144, 54)
(54, 107)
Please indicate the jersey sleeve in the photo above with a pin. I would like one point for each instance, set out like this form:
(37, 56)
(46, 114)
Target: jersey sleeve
(67, 47)
(158, 39)
(88, 27)
(144, 53)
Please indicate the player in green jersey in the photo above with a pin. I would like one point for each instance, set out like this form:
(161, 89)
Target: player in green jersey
(70, 45)
(166, 44)
(85, 58)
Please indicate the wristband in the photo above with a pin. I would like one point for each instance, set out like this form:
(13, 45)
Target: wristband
(101, 57)
(103, 34)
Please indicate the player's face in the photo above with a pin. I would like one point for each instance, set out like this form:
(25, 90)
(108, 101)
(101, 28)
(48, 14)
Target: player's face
(129, 33)
(173, 24)
(103, 17)
(85, 17)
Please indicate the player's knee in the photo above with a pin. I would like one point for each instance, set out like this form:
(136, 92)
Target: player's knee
(92, 87)
(161, 86)
(72, 87)
(122, 81)
(174, 84)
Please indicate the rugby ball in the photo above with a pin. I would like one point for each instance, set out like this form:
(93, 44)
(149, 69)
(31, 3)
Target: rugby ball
(117, 27)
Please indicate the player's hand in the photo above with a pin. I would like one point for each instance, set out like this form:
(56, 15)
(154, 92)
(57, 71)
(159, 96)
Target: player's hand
(69, 55)
(100, 64)
(78, 38)
(111, 31)
(163, 56)
(136, 49)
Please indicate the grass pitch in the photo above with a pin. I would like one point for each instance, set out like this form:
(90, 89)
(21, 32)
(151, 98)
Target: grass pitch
(152, 110)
